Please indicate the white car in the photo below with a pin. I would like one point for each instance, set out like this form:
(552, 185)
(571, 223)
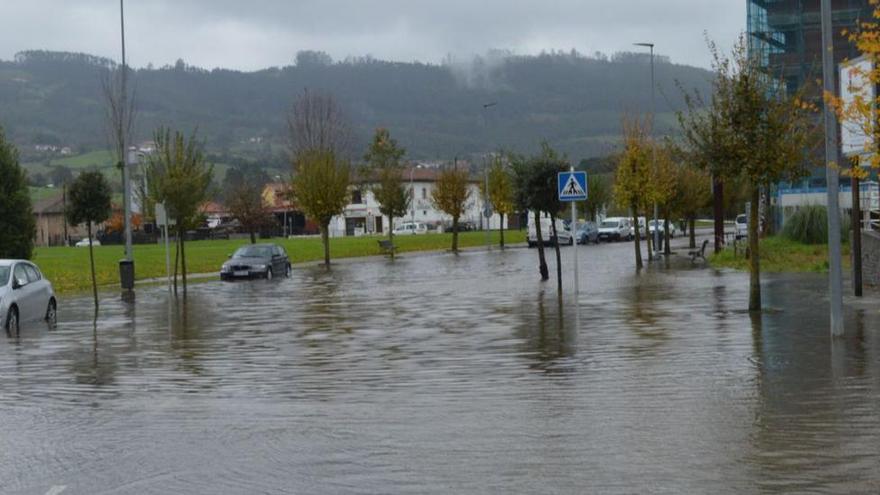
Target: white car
(85, 242)
(565, 236)
(673, 230)
(616, 229)
(410, 228)
(25, 295)
(741, 226)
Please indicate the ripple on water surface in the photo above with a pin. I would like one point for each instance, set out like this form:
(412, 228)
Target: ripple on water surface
(447, 374)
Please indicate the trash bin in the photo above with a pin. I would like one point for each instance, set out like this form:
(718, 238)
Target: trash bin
(126, 274)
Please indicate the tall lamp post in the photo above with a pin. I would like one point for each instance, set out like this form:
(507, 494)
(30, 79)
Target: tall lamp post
(835, 270)
(487, 209)
(653, 159)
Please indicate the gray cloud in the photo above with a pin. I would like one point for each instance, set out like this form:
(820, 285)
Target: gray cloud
(255, 34)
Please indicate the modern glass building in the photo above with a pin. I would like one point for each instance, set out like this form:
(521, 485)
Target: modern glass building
(786, 35)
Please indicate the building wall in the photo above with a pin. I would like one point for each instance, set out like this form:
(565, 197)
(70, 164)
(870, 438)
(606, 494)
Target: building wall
(50, 230)
(422, 210)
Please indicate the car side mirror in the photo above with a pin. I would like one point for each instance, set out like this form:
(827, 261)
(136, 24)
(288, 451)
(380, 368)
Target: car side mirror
(15, 284)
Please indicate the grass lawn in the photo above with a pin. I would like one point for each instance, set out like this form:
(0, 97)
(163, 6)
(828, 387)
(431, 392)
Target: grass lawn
(68, 267)
(779, 254)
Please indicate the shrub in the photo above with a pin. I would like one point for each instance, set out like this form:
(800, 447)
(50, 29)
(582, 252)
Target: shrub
(809, 225)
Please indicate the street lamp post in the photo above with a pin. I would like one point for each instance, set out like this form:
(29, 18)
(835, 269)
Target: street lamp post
(835, 271)
(284, 228)
(653, 152)
(486, 206)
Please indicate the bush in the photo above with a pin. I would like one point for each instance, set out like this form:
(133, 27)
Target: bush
(809, 225)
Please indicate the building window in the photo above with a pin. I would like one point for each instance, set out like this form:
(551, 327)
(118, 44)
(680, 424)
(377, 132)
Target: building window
(356, 198)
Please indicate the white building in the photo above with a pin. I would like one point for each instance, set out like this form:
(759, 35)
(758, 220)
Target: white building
(362, 216)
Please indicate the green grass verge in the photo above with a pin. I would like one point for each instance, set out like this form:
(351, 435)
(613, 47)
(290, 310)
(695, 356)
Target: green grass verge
(68, 267)
(779, 255)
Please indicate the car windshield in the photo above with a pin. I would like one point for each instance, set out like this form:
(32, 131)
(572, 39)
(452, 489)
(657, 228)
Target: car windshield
(741, 219)
(610, 223)
(253, 252)
(4, 275)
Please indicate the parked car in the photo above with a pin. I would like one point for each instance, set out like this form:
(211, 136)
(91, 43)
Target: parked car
(25, 295)
(741, 226)
(587, 233)
(673, 230)
(256, 261)
(410, 228)
(616, 229)
(85, 242)
(565, 236)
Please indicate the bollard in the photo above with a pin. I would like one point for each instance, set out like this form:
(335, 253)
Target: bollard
(126, 274)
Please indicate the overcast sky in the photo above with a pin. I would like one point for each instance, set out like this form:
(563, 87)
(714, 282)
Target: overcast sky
(254, 34)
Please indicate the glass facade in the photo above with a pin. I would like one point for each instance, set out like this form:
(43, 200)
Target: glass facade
(786, 36)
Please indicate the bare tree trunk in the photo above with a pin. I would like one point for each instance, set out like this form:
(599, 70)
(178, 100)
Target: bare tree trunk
(692, 223)
(666, 250)
(325, 240)
(542, 260)
(718, 207)
(183, 263)
(754, 256)
(558, 257)
(637, 241)
(767, 228)
(501, 230)
(649, 239)
(176, 258)
(92, 262)
(391, 233)
(455, 234)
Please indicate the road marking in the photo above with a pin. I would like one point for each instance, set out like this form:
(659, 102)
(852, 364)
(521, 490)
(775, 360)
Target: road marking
(56, 489)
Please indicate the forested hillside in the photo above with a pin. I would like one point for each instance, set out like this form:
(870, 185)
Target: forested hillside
(436, 111)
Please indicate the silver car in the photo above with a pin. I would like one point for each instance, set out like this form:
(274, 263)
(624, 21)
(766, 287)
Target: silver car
(25, 295)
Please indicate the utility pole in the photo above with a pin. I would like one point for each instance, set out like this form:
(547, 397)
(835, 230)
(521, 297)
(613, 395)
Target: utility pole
(486, 207)
(856, 233)
(832, 155)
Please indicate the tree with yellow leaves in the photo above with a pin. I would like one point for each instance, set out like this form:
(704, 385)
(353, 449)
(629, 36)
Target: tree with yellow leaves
(633, 174)
(501, 194)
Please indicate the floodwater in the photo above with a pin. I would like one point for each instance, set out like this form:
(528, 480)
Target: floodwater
(442, 374)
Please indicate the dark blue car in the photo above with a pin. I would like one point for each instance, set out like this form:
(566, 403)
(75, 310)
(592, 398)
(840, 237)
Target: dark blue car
(587, 233)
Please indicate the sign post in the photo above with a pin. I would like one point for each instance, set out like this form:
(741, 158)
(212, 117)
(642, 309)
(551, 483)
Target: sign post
(572, 187)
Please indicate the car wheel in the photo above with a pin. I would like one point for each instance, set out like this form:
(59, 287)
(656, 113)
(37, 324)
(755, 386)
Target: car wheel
(288, 272)
(12, 324)
(268, 274)
(571, 241)
(531, 244)
(52, 312)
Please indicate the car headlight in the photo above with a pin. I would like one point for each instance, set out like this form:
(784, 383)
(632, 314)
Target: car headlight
(259, 267)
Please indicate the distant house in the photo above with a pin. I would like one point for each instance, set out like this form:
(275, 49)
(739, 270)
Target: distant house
(290, 221)
(215, 213)
(362, 215)
(52, 227)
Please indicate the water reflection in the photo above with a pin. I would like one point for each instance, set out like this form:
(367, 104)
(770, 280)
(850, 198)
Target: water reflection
(447, 374)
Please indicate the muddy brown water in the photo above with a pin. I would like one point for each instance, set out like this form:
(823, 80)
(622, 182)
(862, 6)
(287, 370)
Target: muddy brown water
(442, 374)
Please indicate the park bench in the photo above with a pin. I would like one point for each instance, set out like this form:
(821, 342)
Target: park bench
(699, 253)
(386, 246)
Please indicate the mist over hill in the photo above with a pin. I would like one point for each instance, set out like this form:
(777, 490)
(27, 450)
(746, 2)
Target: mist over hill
(573, 101)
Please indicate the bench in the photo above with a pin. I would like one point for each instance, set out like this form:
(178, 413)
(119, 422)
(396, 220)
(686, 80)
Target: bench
(386, 246)
(699, 253)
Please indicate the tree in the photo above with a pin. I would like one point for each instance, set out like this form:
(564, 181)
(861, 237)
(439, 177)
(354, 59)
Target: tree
(536, 181)
(319, 140)
(245, 202)
(692, 194)
(386, 178)
(598, 195)
(633, 174)
(501, 193)
(661, 188)
(450, 194)
(757, 132)
(320, 187)
(17, 224)
(179, 176)
(60, 175)
(89, 203)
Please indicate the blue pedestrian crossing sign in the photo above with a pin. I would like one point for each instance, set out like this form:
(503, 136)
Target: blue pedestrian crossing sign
(572, 186)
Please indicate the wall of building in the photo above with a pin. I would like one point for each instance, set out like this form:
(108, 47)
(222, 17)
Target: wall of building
(871, 258)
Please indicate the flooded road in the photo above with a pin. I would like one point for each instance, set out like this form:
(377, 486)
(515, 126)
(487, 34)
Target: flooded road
(437, 374)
